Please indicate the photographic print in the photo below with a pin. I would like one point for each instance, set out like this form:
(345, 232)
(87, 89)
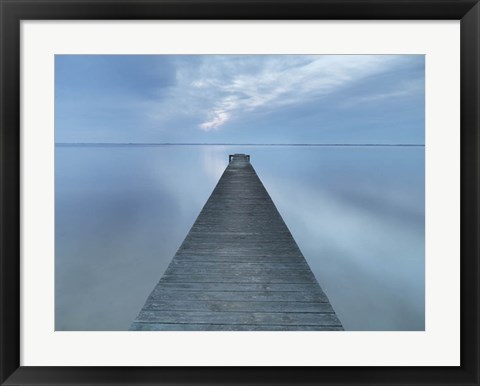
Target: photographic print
(239, 193)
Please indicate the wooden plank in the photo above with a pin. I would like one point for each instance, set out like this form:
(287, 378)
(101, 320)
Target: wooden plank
(294, 296)
(240, 287)
(235, 265)
(213, 246)
(239, 259)
(292, 279)
(257, 318)
(139, 326)
(218, 255)
(238, 269)
(236, 306)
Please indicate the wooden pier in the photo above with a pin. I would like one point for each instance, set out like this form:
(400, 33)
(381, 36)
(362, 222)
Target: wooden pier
(239, 268)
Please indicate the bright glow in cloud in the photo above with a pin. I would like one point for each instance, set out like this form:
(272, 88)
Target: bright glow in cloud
(219, 117)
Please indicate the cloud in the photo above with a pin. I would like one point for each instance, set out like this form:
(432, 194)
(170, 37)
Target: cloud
(407, 89)
(233, 86)
(218, 118)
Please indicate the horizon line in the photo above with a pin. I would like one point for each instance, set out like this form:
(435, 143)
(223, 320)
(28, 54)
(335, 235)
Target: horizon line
(233, 144)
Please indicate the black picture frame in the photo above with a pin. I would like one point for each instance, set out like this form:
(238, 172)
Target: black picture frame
(13, 11)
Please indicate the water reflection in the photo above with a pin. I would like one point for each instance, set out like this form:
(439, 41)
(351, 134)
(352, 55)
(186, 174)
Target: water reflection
(356, 213)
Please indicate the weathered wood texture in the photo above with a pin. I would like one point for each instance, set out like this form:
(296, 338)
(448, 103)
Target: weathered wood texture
(238, 269)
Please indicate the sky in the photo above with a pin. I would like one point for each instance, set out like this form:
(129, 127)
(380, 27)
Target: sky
(288, 99)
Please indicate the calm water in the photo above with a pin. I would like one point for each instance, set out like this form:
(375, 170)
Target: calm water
(357, 214)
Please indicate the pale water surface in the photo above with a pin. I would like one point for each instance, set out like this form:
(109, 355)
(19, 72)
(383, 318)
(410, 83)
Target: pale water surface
(357, 214)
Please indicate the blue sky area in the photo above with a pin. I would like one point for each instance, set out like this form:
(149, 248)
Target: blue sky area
(240, 99)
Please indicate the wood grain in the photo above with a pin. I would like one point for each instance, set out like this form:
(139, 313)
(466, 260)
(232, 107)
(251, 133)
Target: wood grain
(238, 269)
